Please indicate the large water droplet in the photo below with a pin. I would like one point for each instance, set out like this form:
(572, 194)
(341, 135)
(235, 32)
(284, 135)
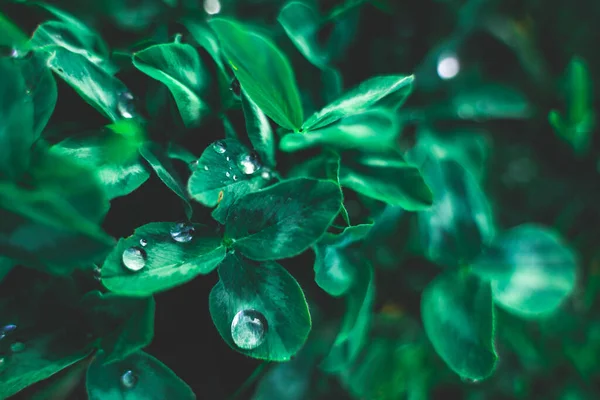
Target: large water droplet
(129, 379)
(134, 259)
(249, 163)
(17, 347)
(126, 105)
(143, 242)
(248, 329)
(219, 146)
(182, 232)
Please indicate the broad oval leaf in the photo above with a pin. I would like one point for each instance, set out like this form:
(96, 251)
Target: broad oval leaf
(270, 290)
(388, 178)
(113, 158)
(454, 230)
(123, 325)
(357, 319)
(161, 164)
(458, 317)
(179, 67)
(374, 129)
(226, 171)
(263, 71)
(335, 271)
(165, 261)
(283, 220)
(259, 130)
(359, 99)
(147, 378)
(530, 269)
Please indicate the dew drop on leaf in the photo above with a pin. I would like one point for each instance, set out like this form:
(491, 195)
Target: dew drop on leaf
(249, 163)
(206, 167)
(248, 329)
(182, 232)
(266, 174)
(126, 105)
(227, 174)
(128, 380)
(134, 259)
(219, 146)
(143, 242)
(17, 347)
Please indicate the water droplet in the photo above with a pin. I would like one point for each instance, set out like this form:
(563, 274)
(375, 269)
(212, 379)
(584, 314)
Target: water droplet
(248, 329)
(249, 163)
(219, 146)
(206, 167)
(266, 174)
(97, 272)
(448, 66)
(227, 158)
(212, 6)
(235, 87)
(129, 379)
(227, 174)
(182, 232)
(134, 259)
(126, 105)
(17, 347)
(143, 242)
(234, 177)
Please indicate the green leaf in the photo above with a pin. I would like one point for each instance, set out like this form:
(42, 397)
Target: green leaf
(161, 163)
(491, 101)
(374, 129)
(123, 325)
(277, 301)
(359, 99)
(283, 220)
(263, 71)
(165, 261)
(335, 272)
(41, 86)
(149, 379)
(357, 319)
(16, 121)
(386, 177)
(455, 229)
(323, 166)
(180, 153)
(179, 67)
(530, 269)
(259, 131)
(301, 23)
(113, 158)
(97, 87)
(205, 37)
(58, 207)
(458, 317)
(226, 171)
(12, 36)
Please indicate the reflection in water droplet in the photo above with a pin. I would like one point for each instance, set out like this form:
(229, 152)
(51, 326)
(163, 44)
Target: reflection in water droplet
(126, 105)
(17, 347)
(249, 163)
(248, 329)
(129, 379)
(143, 242)
(182, 232)
(448, 66)
(134, 259)
(219, 146)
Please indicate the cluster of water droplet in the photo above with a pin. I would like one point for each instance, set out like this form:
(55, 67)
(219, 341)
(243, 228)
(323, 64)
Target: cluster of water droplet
(248, 329)
(134, 258)
(15, 347)
(247, 163)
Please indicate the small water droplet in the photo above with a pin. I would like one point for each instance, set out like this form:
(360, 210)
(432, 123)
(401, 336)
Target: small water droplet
(249, 163)
(134, 259)
(97, 272)
(17, 347)
(126, 105)
(248, 329)
(143, 242)
(227, 174)
(206, 167)
(266, 174)
(227, 158)
(182, 232)
(219, 146)
(235, 87)
(234, 177)
(129, 379)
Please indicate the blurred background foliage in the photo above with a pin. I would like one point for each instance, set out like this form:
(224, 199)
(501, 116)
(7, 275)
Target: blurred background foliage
(505, 88)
